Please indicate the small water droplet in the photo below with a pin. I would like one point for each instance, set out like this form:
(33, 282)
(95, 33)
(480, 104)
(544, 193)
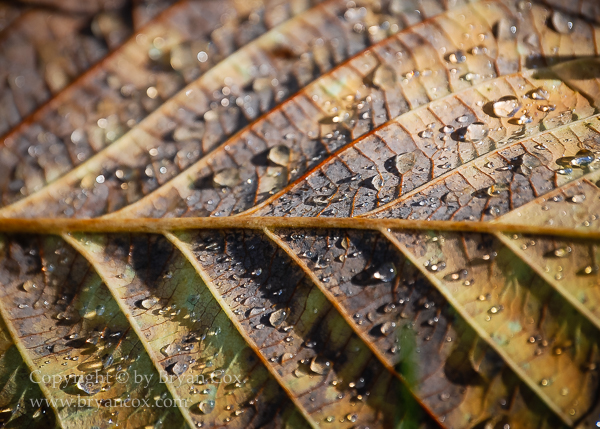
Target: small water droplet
(386, 272)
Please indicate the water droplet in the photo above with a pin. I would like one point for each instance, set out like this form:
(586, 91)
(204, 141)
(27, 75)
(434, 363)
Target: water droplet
(87, 385)
(539, 94)
(563, 252)
(228, 177)
(179, 368)
(506, 29)
(577, 199)
(278, 317)
(582, 158)
(426, 134)
(476, 132)
(561, 23)
(405, 162)
(206, 406)
(280, 155)
(28, 286)
(506, 107)
(148, 303)
(387, 327)
(320, 366)
(384, 77)
(386, 272)
(457, 57)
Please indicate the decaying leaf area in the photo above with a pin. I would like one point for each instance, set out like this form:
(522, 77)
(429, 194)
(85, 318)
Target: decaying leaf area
(300, 213)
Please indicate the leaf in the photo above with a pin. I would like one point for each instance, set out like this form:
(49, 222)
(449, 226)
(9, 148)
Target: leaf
(302, 214)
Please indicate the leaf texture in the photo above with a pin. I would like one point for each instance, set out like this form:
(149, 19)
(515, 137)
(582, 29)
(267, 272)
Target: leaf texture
(160, 166)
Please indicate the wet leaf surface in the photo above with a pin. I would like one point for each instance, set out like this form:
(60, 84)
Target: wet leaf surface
(162, 168)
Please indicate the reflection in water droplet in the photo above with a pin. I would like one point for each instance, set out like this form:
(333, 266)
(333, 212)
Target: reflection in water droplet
(506, 107)
(427, 134)
(280, 155)
(228, 177)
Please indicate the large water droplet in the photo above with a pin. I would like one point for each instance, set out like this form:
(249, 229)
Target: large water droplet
(506, 107)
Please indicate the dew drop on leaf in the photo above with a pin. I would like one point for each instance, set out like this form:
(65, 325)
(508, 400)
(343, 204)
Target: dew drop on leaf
(582, 158)
(206, 406)
(386, 272)
(561, 23)
(476, 132)
(506, 107)
(280, 155)
(228, 177)
(384, 77)
(562, 252)
(320, 366)
(387, 327)
(278, 317)
(403, 163)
